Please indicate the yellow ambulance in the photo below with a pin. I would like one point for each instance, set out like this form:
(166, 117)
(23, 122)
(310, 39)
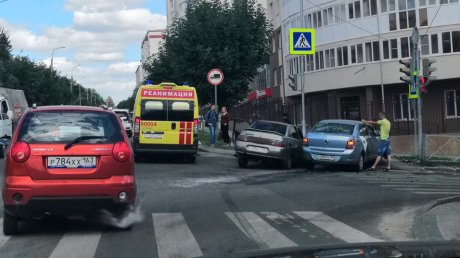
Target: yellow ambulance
(166, 120)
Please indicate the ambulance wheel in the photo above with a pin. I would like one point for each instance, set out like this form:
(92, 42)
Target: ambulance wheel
(191, 158)
(137, 157)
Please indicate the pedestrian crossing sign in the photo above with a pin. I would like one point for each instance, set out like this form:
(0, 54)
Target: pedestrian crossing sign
(301, 41)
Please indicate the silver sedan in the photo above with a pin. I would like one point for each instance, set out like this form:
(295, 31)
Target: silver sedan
(268, 140)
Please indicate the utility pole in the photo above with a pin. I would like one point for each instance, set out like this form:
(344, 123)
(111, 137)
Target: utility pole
(415, 42)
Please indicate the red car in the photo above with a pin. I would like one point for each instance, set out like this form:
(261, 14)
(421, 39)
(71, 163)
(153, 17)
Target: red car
(67, 160)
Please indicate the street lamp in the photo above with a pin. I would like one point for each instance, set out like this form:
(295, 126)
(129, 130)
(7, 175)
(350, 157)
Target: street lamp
(52, 56)
(71, 83)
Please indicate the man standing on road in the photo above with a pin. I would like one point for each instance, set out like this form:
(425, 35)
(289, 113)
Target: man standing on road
(211, 118)
(384, 143)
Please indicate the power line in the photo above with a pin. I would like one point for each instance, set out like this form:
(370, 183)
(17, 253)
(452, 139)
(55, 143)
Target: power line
(432, 21)
(354, 25)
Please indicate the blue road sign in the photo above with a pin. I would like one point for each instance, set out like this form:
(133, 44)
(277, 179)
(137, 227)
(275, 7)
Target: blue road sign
(301, 41)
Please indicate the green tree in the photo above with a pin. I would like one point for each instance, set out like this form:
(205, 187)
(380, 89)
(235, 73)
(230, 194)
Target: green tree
(109, 102)
(40, 85)
(233, 38)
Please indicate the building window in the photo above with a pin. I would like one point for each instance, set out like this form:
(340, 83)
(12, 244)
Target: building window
(356, 53)
(354, 10)
(330, 15)
(405, 47)
(423, 16)
(340, 13)
(386, 49)
(342, 56)
(391, 5)
(392, 21)
(310, 63)
(432, 2)
(315, 21)
(394, 48)
(372, 51)
(425, 45)
(446, 42)
(383, 6)
(401, 108)
(448, 1)
(330, 58)
(452, 103)
(319, 60)
(434, 44)
(308, 21)
(422, 3)
(369, 7)
(456, 41)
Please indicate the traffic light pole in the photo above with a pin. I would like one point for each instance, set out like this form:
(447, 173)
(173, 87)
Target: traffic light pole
(419, 109)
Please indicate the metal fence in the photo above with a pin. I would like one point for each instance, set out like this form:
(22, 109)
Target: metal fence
(442, 147)
(439, 116)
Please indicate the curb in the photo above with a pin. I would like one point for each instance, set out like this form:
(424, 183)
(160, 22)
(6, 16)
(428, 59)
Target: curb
(442, 201)
(425, 225)
(203, 150)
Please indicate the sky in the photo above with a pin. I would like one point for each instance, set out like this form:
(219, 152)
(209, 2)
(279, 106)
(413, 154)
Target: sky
(102, 36)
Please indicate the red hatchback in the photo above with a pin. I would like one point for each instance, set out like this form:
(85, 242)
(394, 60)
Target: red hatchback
(67, 160)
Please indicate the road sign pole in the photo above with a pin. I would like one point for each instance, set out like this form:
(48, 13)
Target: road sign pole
(215, 95)
(415, 68)
(302, 79)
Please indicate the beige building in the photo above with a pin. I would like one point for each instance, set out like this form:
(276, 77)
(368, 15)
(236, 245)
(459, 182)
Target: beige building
(149, 46)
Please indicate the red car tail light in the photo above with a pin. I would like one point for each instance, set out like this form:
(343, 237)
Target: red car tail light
(137, 126)
(277, 143)
(20, 152)
(351, 144)
(121, 151)
(305, 141)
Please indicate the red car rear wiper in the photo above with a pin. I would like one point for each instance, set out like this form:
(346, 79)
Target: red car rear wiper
(81, 138)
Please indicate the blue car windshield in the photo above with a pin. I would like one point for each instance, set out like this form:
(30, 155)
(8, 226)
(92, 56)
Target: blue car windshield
(333, 128)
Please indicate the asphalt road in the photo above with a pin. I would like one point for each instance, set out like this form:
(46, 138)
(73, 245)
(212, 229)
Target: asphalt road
(215, 209)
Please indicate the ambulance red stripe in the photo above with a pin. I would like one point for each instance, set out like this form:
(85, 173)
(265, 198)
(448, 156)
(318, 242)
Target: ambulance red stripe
(182, 133)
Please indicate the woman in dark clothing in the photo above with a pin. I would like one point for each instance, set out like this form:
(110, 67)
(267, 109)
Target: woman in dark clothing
(224, 123)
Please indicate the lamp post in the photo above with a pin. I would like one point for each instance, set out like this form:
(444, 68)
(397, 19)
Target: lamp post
(71, 83)
(52, 57)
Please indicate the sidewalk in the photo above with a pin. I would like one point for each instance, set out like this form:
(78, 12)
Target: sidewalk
(206, 148)
(438, 221)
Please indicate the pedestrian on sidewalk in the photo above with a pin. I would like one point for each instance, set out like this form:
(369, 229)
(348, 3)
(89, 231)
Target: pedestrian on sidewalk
(211, 118)
(384, 143)
(224, 124)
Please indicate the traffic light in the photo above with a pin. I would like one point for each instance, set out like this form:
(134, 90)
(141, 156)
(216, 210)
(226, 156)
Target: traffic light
(293, 82)
(428, 70)
(408, 71)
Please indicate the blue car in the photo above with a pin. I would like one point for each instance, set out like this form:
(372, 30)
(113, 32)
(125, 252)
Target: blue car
(341, 142)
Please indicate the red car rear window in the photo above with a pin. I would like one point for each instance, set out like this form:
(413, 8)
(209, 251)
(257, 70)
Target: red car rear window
(65, 126)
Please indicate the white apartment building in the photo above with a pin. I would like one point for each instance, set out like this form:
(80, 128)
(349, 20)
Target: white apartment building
(149, 46)
(355, 71)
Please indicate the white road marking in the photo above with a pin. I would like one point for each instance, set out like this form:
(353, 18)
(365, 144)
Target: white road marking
(81, 244)
(440, 193)
(336, 228)
(419, 184)
(257, 229)
(174, 237)
(3, 238)
(428, 189)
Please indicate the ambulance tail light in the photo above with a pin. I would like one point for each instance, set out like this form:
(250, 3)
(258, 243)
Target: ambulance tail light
(137, 126)
(195, 126)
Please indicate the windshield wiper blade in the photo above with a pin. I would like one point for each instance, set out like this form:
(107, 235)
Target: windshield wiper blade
(79, 139)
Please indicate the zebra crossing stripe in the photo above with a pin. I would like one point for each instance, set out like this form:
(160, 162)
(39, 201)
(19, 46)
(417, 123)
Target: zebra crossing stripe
(336, 228)
(75, 245)
(257, 229)
(3, 238)
(173, 236)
